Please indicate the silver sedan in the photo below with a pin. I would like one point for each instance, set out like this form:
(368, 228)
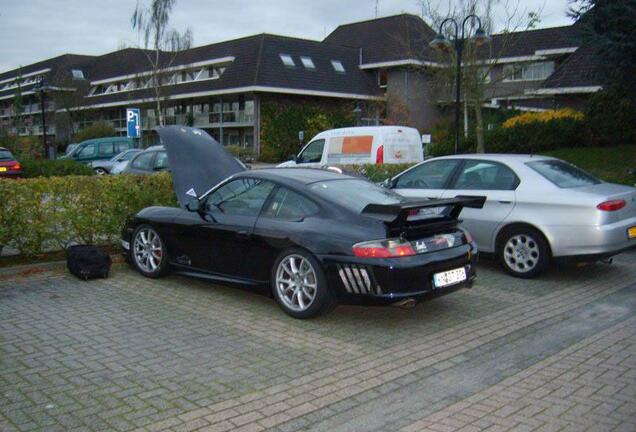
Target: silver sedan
(538, 209)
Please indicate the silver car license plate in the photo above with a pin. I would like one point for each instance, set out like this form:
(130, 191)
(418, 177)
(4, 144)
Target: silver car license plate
(450, 277)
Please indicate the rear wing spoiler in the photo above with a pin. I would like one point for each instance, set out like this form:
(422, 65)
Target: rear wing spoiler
(397, 214)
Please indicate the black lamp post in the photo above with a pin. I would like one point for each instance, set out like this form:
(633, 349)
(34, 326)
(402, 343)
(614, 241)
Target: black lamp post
(42, 87)
(441, 43)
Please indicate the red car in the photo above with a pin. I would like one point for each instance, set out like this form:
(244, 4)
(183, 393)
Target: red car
(9, 167)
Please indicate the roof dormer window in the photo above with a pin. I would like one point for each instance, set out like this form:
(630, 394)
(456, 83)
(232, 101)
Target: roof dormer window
(287, 60)
(308, 63)
(338, 66)
(77, 74)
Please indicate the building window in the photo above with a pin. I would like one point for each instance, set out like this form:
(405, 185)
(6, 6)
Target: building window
(287, 60)
(484, 74)
(308, 63)
(528, 71)
(383, 78)
(338, 66)
(77, 74)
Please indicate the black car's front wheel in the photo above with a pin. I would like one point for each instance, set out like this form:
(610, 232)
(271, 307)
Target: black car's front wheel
(148, 252)
(300, 286)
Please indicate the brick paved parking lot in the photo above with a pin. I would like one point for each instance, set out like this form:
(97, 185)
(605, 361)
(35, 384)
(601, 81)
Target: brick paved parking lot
(130, 353)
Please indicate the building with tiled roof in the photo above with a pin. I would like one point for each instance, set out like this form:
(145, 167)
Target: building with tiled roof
(220, 87)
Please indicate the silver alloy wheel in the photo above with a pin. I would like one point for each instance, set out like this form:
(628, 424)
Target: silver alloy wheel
(521, 253)
(147, 250)
(296, 282)
(100, 171)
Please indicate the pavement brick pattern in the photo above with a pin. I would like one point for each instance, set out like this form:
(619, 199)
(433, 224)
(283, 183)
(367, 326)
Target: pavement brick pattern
(129, 353)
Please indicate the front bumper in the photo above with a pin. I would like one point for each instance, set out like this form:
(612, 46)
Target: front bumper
(382, 281)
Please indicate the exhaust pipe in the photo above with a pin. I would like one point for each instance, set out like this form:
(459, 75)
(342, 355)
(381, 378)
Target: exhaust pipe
(408, 303)
(607, 261)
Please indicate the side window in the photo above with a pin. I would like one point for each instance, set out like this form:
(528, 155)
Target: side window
(161, 161)
(486, 175)
(128, 155)
(106, 148)
(244, 197)
(122, 145)
(143, 161)
(88, 151)
(430, 175)
(288, 205)
(312, 153)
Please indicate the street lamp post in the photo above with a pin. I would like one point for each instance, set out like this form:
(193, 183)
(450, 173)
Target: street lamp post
(441, 43)
(42, 87)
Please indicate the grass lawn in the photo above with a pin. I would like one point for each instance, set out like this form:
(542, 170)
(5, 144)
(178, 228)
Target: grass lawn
(611, 164)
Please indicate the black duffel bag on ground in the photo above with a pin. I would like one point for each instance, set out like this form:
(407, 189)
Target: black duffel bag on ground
(88, 262)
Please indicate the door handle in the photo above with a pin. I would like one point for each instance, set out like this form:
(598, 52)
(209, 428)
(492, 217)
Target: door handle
(243, 235)
(505, 202)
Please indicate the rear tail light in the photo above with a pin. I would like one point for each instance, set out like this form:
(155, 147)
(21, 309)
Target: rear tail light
(15, 167)
(613, 205)
(379, 156)
(389, 248)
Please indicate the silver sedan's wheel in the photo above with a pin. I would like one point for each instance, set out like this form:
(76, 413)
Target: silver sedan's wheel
(148, 250)
(296, 283)
(100, 171)
(522, 253)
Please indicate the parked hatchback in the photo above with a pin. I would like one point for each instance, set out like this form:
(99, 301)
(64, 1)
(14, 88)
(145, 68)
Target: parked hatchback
(9, 166)
(106, 166)
(153, 159)
(538, 209)
(99, 148)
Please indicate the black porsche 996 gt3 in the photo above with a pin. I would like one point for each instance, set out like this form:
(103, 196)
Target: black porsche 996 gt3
(311, 238)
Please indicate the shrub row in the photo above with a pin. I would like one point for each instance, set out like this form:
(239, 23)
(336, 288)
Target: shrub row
(607, 120)
(54, 168)
(41, 214)
(376, 173)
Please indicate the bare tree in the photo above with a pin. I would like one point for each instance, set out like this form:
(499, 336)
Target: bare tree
(161, 44)
(478, 63)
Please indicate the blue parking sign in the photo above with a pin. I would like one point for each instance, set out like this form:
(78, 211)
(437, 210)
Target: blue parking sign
(133, 120)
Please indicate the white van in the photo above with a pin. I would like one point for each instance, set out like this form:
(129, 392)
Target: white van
(361, 145)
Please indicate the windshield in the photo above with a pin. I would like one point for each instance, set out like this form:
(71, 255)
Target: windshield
(5, 155)
(355, 194)
(563, 174)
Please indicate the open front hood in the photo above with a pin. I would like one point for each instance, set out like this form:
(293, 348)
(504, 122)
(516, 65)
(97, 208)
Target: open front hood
(197, 161)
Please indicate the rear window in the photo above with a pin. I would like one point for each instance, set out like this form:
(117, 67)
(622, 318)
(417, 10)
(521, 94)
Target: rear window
(362, 192)
(563, 174)
(5, 155)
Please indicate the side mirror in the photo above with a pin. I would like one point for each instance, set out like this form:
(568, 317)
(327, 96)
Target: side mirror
(388, 183)
(193, 205)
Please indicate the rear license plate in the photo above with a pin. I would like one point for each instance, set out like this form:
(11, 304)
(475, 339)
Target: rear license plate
(450, 277)
(3, 169)
(631, 232)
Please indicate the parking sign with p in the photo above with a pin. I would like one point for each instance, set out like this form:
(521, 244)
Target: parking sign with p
(133, 120)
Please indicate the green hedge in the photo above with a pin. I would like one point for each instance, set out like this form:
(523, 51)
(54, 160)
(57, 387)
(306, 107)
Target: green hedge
(54, 168)
(376, 173)
(40, 214)
(523, 138)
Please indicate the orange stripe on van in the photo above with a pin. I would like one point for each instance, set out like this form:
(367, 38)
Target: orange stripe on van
(357, 144)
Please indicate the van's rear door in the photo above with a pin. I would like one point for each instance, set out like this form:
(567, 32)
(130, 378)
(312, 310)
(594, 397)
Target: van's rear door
(402, 145)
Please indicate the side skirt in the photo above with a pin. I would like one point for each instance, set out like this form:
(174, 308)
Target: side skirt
(223, 279)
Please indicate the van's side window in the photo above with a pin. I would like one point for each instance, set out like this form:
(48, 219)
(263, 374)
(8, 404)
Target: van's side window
(106, 148)
(88, 151)
(122, 145)
(312, 153)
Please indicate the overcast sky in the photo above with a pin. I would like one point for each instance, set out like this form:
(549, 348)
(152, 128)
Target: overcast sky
(33, 30)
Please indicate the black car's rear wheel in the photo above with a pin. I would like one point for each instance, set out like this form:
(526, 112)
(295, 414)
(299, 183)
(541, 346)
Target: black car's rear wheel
(148, 252)
(299, 285)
